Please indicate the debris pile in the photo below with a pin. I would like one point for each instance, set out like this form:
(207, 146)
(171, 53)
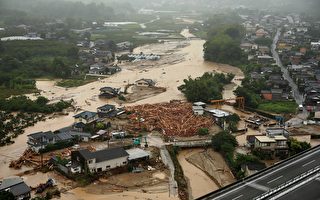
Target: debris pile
(173, 119)
(28, 158)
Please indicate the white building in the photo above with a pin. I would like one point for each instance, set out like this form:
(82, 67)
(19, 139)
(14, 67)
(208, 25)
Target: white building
(99, 161)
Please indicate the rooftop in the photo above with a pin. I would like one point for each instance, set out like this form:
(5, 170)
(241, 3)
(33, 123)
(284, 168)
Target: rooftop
(103, 155)
(85, 115)
(265, 139)
(218, 113)
(137, 153)
(279, 137)
(16, 185)
(106, 107)
(39, 135)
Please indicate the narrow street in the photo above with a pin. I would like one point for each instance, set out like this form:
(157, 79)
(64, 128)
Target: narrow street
(295, 91)
(166, 159)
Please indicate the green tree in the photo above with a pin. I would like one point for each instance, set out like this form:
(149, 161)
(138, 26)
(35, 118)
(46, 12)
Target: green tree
(60, 69)
(73, 52)
(42, 100)
(296, 147)
(100, 126)
(251, 99)
(205, 88)
(224, 142)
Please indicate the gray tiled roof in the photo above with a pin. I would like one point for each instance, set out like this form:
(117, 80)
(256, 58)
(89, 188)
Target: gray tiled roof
(103, 155)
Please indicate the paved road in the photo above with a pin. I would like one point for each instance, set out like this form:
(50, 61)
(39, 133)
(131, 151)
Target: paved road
(295, 91)
(156, 141)
(271, 178)
(308, 191)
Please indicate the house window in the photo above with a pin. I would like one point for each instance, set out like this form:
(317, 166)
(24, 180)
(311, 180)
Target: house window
(89, 161)
(125, 162)
(108, 167)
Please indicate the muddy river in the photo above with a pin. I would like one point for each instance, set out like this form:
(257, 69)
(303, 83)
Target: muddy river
(86, 97)
(199, 183)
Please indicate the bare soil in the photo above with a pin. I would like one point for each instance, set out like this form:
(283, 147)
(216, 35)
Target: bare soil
(213, 164)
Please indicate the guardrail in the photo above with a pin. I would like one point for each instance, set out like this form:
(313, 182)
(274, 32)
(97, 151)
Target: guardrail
(287, 184)
(239, 182)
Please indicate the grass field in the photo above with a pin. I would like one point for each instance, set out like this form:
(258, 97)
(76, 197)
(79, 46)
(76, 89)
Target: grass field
(68, 83)
(279, 107)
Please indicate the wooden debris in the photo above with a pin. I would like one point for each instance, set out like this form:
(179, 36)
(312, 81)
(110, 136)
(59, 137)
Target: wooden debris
(173, 119)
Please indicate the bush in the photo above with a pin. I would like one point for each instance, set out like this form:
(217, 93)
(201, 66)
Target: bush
(122, 98)
(296, 147)
(224, 142)
(203, 131)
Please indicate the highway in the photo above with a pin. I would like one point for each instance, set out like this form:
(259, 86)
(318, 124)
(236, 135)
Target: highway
(262, 182)
(308, 191)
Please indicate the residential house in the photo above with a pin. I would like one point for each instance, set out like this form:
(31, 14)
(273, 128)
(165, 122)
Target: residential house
(85, 117)
(276, 145)
(274, 94)
(265, 59)
(99, 161)
(109, 92)
(264, 50)
(107, 110)
(246, 46)
(145, 83)
(112, 69)
(218, 115)
(16, 185)
(40, 140)
(81, 136)
(261, 33)
(271, 132)
(97, 68)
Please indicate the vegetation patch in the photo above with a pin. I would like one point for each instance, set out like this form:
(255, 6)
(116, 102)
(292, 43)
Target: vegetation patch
(24, 104)
(205, 88)
(278, 107)
(68, 83)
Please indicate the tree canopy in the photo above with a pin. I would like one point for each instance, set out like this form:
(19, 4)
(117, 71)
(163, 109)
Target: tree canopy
(205, 88)
(223, 45)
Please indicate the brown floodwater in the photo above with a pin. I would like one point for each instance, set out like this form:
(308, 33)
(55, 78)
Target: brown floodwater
(199, 183)
(86, 97)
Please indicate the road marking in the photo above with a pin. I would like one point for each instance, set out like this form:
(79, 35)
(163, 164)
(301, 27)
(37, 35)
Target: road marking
(296, 160)
(258, 187)
(308, 163)
(238, 197)
(274, 179)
